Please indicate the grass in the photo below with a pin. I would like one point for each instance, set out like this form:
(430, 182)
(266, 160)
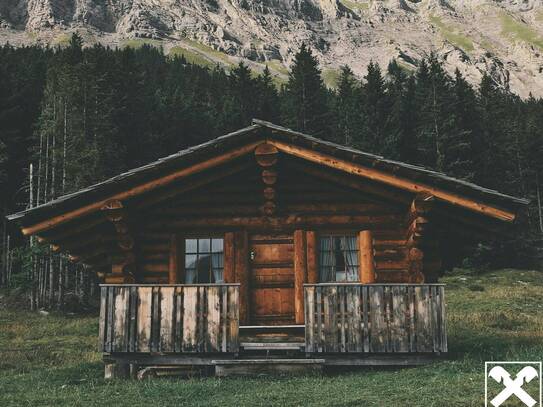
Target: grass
(138, 43)
(355, 5)
(517, 30)
(330, 77)
(190, 56)
(451, 35)
(498, 315)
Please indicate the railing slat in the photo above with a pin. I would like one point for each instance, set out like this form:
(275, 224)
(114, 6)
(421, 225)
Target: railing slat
(213, 319)
(145, 296)
(166, 319)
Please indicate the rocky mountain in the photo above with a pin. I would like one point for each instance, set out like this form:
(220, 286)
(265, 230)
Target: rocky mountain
(501, 37)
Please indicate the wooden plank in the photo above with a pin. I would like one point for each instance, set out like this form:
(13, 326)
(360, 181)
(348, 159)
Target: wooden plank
(132, 333)
(309, 319)
(155, 320)
(229, 258)
(225, 329)
(233, 318)
(311, 254)
(319, 309)
(330, 319)
(436, 337)
(357, 332)
(300, 275)
(120, 343)
(103, 321)
(422, 325)
(201, 312)
(443, 315)
(367, 265)
(178, 341)
(342, 319)
(366, 317)
(190, 299)
(139, 189)
(411, 323)
(242, 274)
(259, 222)
(377, 310)
(167, 319)
(213, 319)
(394, 180)
(112, 291)
(399, 329)
(145, 296)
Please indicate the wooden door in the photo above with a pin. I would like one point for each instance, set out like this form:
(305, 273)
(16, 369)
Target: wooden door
(271, 276)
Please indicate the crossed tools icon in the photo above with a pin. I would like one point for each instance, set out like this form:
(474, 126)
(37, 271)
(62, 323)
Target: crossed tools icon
(513, 386)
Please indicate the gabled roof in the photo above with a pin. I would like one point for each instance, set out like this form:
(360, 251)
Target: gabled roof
(399, 174)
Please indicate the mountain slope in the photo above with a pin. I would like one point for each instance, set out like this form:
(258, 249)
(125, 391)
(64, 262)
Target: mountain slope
(501, 37)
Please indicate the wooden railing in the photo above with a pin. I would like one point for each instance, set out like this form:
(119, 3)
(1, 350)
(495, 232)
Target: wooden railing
(375, 318)
(147, 318)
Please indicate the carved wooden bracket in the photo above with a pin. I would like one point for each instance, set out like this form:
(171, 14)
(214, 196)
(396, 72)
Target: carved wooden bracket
(266, 156)
(123, 265)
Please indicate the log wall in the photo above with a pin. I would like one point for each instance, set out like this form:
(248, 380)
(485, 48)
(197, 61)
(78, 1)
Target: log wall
(375, 318)
(169, 318)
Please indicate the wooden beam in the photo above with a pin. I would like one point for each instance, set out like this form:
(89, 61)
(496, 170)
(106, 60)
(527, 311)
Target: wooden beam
(242, 273)
(300, 274)
(312, 250)
(382, 221)
(173, 262)
(142, 188)
(229, 258)
(392, 180)
(367, 264)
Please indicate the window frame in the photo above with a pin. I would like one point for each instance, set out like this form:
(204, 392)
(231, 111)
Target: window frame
(332, 234)
(182, 238)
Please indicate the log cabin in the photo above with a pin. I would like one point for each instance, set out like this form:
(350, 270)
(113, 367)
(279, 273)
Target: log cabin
(269, 248)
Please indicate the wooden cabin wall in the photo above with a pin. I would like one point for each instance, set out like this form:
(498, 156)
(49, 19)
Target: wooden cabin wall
(303, 202)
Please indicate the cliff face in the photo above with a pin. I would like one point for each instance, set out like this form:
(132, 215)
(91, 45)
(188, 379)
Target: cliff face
(501, 37)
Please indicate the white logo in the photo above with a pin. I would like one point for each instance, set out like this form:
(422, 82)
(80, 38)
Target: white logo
(513, 386)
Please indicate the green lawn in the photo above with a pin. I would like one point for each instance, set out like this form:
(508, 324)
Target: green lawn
(51, 360)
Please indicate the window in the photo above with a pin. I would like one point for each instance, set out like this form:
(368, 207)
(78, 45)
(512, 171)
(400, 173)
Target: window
(204, 260)
(338, 257)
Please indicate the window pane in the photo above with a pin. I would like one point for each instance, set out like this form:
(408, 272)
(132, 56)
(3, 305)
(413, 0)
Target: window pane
(216, 245)
(325, 243)
(204, 245)
(204, 260)
(190, 261)
(191, 246)
(338, 258)
(217, 260)
(190, 275)
(218, 275)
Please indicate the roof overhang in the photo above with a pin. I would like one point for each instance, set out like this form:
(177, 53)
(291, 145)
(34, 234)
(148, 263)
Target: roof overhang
(161, 173)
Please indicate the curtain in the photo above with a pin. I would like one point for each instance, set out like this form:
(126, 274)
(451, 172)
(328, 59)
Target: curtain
(350, 252)
(326, 260)
(217, 267)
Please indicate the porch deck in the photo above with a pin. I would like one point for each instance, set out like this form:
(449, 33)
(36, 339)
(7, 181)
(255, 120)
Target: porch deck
(346, 324)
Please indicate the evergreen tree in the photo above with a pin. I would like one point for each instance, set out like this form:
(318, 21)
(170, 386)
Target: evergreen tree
(347, 107)
(305, 104)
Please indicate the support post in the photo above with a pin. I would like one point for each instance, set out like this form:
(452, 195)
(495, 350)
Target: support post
(367, 264)
(300, 274)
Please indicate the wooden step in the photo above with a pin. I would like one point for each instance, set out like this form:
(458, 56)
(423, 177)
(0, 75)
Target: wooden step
(272, 345)
(244, 367)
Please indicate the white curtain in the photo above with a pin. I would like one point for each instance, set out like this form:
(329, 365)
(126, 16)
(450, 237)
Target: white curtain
(350, 253)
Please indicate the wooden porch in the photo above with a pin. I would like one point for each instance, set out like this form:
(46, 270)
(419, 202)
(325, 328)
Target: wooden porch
(156, 326)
